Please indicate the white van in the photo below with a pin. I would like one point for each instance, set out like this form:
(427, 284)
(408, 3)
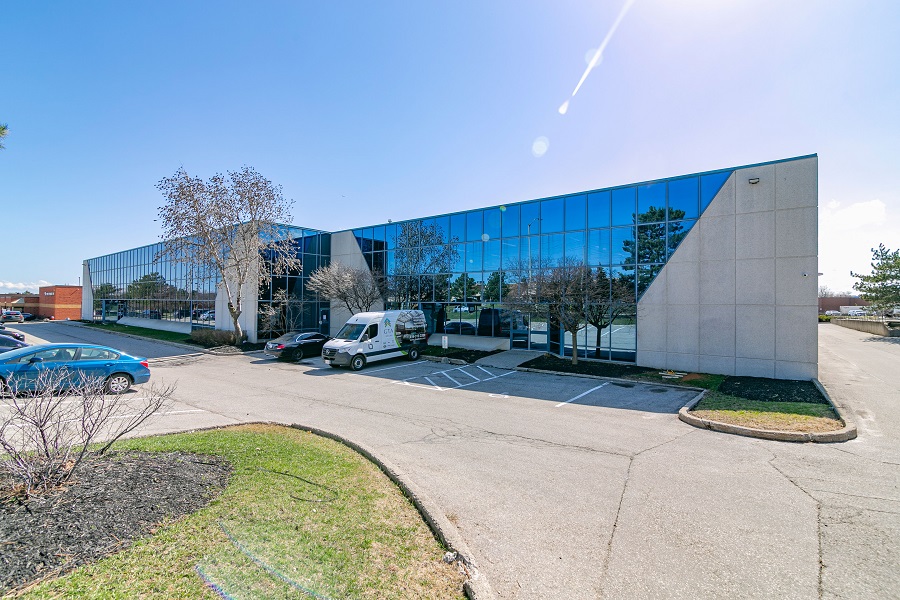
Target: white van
(372, 336)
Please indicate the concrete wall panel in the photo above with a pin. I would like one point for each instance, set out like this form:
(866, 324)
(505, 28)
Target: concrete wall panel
(796, 232)
(754, 367)
(754, 331)
(796, 184)
(755, 235)
(717, 326)
(717, 282)
(717, 237)
(758, 197)
(755, 281)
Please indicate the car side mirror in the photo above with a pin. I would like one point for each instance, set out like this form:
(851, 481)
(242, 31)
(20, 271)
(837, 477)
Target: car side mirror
(36, 359)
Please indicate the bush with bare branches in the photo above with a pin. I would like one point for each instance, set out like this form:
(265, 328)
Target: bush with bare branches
(46, 432)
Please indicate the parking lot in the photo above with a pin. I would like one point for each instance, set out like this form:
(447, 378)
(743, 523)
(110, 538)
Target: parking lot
(582, 488)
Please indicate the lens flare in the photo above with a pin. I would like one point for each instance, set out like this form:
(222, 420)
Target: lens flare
(540, 146)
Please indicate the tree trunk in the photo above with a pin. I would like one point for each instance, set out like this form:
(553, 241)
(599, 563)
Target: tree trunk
(574, 346)
(235, 315)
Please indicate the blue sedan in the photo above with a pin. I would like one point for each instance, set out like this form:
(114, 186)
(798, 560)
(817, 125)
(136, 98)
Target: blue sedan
(21, 369)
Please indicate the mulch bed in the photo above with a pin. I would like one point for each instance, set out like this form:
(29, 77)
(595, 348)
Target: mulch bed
(114, 499)
(601, 369)
(772, 390)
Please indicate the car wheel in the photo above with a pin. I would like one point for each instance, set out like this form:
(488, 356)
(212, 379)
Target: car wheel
(358, 362)
(118, 383)
(413, 353)
(298, 354)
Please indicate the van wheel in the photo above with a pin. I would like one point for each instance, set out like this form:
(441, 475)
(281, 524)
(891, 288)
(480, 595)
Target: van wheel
(413, 353)
(358, 362)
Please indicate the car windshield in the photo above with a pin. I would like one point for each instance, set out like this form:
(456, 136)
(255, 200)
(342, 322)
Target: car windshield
(350, 331)
(288, 337)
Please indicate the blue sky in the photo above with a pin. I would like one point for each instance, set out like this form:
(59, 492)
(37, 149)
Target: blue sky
(368, 111)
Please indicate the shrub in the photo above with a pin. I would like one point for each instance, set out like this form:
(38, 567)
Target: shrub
(824, 318)
(210, 338)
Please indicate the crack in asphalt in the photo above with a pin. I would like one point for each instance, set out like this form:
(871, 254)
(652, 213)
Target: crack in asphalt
(854, 454)
(820, 533)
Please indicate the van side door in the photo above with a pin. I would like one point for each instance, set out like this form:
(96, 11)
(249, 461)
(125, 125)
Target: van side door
(372, 341)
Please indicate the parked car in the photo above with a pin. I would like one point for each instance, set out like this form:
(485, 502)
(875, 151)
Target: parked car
(12, 333)
(832, 313)
(29, 316)
(296, 345)
(856, 313)
(21, 369)
(8, 343)
(459, 328)
(209, 315)
(14, 316)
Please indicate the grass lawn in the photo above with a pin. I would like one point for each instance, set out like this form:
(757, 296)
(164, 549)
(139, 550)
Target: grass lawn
(156, 334)
(776, 416)
(302, 516)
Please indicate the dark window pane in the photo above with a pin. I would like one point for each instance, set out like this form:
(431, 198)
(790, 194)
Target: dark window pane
(575, 213)
(710, 186)
(623, 206)
(531, 223)
(623, 249)
(510, 220)
(551, 215)
(598, 209)
(683, 198)
(598, 247)
(474, 226)
(491, 224)
(652, 196)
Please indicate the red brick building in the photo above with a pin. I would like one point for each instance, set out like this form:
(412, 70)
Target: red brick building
(60, 302)
(836, 302)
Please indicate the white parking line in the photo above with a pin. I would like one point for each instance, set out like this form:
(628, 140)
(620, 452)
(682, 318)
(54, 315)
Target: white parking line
(367, 371)
(485, 370)
(581, 395)
(447, 375)
(458, 385)
(464, 372)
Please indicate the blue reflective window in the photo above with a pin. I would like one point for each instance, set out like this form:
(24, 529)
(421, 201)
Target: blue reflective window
(530, 219)
(459, 257)
(710, 186)
(378, 234)
(683, 198)
(623, 249)
(598, 247)
(678, 230)
(492, 255)
(551, 215)
(651, 243)
(652, 196)
(598, 209)
(575, 246)
(473, 256)
(389, 262)
(474, 226)
(551, 248)
(623, 206)
(442, 228)
(491, 224)
(531, 245)
(510, 252)
(510, 220)
(390, 236)
(575, 212)
(458, 228)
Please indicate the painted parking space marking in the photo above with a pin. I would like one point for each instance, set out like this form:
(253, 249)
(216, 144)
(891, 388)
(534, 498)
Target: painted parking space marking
(581, 395)
(436, 383)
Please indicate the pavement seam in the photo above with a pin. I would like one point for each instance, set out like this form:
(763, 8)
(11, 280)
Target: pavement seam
(604, 571)
(820, 533)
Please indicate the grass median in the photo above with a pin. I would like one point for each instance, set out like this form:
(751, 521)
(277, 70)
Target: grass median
(302, 516)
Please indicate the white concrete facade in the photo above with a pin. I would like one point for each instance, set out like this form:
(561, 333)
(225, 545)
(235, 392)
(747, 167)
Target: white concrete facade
(739, 295)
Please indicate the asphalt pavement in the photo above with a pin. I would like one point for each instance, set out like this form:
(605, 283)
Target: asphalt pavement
(570, 487)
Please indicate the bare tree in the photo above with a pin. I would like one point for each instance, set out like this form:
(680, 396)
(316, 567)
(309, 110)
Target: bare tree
(45, 432)
(604, 307)
(357, 289)
(284, 313)
(568, 290)
(228, 225)
(826, 292)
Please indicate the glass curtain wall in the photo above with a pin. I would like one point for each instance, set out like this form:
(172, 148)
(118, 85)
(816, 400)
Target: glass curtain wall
(470, 271)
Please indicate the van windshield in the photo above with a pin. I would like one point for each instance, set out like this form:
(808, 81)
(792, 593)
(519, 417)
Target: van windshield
(350, 331)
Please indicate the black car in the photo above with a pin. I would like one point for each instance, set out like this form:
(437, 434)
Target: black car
(296, 345)
(459, 328)
(10, 343)
(12, 333)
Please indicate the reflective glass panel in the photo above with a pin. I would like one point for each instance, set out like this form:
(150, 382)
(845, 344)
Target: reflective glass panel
(575, 212)
(510, 252)
(491, 255)
(458, 228)
(652, 196)
(491, 224)
(598, 247)
(598, 209)
(442, 228)
(651, 243)
(678, 230)
(575, 246)
(551, 248)
(531, 223)
(623, 206)
(623, 247)
(473, 256)
(552, 215)
(683, 198)
(510, 218)
(474, 225)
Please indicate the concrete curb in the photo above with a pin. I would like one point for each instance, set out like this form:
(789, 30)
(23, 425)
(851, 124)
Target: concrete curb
(848, 432)
(476, 586)
(605, 378)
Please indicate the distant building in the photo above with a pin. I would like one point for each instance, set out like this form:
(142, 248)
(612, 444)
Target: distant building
(836, 302)
(59, 302)
(26, 302)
